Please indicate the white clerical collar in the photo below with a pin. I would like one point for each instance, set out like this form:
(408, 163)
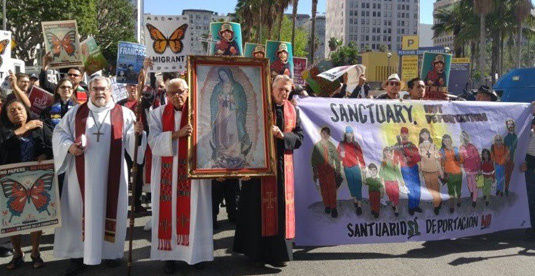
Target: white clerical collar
(97, 109)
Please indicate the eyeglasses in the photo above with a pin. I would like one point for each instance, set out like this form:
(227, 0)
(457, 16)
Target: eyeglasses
(396, 83)
(177, 92)
(66, 87)
(97, 89)
(72, 75)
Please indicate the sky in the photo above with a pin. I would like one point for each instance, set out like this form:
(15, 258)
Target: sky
(167, 7)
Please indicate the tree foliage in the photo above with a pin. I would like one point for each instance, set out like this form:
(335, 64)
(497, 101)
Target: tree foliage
(301, 37)
(346, 55)
(495, 36)
(107, 20)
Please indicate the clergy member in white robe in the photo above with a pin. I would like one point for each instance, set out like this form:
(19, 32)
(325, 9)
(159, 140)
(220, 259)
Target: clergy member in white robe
(91, 153)
(190, 239)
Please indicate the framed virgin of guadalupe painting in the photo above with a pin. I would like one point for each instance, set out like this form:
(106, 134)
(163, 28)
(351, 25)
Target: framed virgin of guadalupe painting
(231, 115)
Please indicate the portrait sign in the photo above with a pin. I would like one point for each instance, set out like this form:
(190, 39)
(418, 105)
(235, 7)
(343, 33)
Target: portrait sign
(130, 58)
(93, 58)
(231, 118)
(227, 38)
(436, 71)
(255, 50)
(61, 39)
(5, 54)
(168, 41)
(29, 200)
(280, 57)
(300, 65)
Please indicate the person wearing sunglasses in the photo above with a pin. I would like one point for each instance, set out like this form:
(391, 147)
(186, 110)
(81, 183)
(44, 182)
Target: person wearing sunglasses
(392, 86)
(75, 75)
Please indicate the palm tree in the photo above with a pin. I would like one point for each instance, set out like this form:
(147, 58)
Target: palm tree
(482, 8)
(333, 44)
(313, 30)
(280, 7)
(459, 22)
(294, 19)
(522, 11)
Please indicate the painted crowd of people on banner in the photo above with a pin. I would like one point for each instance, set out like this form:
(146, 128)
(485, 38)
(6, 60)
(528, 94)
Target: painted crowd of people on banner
(407, 167)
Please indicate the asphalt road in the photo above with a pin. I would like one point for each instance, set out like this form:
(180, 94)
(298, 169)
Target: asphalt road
(503, 253)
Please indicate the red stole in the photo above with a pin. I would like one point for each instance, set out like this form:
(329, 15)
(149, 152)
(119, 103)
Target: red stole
(114, 166)
(166, 186)
(269, 187)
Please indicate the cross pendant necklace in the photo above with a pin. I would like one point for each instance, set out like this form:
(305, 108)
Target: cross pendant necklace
(99, 127)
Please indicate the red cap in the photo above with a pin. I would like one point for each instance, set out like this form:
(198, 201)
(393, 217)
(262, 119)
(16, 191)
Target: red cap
(404, 130)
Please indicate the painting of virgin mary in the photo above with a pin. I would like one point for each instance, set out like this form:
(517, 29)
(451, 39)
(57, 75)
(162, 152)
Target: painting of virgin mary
(230, 141)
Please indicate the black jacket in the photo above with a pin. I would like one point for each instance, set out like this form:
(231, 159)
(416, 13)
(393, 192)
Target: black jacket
(356, 92)
(10, 144)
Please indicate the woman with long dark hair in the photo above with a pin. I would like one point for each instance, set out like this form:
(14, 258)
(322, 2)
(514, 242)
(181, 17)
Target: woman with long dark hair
(430, 167)
(63, 102)
(23, 140)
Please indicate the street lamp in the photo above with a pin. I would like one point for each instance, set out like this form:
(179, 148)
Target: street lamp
(388, 55)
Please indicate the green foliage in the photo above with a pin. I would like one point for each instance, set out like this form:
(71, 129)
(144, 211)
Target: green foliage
(346, 55)
(107, 20)
(301, 37)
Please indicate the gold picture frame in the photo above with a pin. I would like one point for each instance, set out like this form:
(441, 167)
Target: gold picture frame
(231, 114)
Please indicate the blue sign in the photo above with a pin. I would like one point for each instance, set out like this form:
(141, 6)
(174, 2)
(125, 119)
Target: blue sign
(422, 50)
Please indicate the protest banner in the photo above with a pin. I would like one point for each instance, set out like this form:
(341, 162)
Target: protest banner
(389, 171)
(61, 38)
(5, 54)
(320, 86)
(300, 65)
(227, 39)
(436, 71)
(93, 58)
(29, 200)
(168, 41)
(280, 58)
(130, 58)
(336, 72)
(254, 50)
(118, 90)
(39, 99)
(459, 75)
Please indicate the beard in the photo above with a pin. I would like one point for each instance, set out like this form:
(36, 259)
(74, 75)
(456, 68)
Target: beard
(100, 102)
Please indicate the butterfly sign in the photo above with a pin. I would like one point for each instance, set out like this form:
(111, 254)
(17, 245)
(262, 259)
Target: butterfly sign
(29, 198)
(168, 42)
(5, 54)
(61, 40)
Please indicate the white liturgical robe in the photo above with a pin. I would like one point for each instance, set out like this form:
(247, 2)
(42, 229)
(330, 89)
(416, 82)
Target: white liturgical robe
(68, 242)
(201, 247)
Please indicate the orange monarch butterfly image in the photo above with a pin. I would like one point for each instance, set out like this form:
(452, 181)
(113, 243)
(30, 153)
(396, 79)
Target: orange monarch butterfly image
(3, 46)
(161, 42)
(67, 43)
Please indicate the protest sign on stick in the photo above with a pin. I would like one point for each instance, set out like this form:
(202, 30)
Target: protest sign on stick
(61, 39)
(168, 41)
(130, 58)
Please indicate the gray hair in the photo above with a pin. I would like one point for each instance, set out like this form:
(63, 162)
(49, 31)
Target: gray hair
(100, 78)
(280, 78)
(176, 81)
